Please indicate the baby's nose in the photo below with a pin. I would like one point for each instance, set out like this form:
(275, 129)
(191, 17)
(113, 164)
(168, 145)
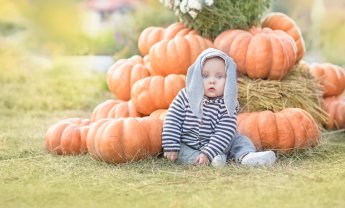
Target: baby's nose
(212, 80)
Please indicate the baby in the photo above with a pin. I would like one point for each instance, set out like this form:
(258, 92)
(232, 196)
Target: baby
(201, 124)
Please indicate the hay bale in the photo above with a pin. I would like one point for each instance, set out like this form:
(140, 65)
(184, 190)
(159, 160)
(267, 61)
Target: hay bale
(298, 89)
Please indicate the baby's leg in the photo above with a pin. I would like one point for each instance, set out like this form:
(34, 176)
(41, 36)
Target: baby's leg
(243, 150)
(187, 155)
(240, 146)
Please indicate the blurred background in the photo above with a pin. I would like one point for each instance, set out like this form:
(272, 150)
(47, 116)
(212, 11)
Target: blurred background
(94, 33)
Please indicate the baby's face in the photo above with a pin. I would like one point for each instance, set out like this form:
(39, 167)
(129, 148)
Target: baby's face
(214, 76)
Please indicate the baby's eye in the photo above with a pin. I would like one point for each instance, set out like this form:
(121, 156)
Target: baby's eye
(219, 76)
(204, 76)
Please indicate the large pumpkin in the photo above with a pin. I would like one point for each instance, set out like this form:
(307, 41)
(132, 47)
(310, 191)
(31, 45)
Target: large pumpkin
(114, 109)
(153, 35)
(280, 21)
(331, 77)
(156, 92)
(176, 55)
(123, 74)
(335, 107)
(291, 128)
(125, 139)
(67, 137)
(259, 53)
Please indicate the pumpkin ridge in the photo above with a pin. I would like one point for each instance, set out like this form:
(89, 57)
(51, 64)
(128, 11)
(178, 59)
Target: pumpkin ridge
(99, 139)
(309, 133)
(287, 62)
(248, 54)
(282, 48)
(190, 50)
(271, 60)
(165, 92)
(294, 48)
(244, 46)
(146, 130)
(291, 127)
(123, 134)
(258, 129)
(285, 143)
(72, 139)
(302, 119)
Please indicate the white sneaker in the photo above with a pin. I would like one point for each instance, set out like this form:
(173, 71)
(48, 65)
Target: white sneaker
(219, 161)
(265, 158)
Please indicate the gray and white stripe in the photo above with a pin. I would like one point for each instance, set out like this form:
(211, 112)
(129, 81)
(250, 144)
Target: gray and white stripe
(211, 134)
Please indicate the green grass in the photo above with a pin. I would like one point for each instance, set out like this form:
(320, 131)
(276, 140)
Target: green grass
(31, 177)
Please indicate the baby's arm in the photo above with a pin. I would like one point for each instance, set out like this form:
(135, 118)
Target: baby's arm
(220, 140)
(172, 127)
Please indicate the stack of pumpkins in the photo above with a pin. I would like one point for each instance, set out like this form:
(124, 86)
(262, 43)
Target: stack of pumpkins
(332, 78)
(146, 85)
(129, 128)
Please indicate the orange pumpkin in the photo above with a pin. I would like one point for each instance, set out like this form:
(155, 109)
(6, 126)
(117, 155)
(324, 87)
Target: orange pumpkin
(148, 65)
(125, 139)
(156, 92)
(123, 74)
(148, 38)
(280, 21)
(177, 29)
(335, 107)
(160, 114)
(67, 137)
(259, 53)
(291, 128)
(153, 35)
(114, 109)
(176, 55)
(331, 77)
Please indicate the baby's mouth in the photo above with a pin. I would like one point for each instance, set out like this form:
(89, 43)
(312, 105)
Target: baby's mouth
(211, 89)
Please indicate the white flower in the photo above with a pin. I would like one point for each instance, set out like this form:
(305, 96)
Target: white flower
(169, 4)
(193, 14)
(209, 2)
(183, 6)
(194, 4)
(177, 3)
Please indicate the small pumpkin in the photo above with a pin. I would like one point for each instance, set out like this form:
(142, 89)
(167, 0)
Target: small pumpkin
(289, 129)
(125, 139)
(335, 107)
(123, 74)
(156, 92)
(280, 21)
(67, 137)
(148, 37)
(114, 109)
(176, 55)
(259, 53)
(160, 114)
(331, 77)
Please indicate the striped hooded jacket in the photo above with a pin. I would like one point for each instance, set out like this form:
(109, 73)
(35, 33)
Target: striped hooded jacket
(202, 123)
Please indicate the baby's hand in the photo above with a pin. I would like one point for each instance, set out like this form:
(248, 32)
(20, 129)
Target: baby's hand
(202, 159)
(172, 156)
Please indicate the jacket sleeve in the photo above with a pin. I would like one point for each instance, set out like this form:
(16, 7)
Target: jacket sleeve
(172, 127)
(220, 140)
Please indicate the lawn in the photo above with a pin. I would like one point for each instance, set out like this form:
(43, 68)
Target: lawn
(31, 101)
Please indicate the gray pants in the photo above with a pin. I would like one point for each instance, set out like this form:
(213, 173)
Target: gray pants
(239, 146)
